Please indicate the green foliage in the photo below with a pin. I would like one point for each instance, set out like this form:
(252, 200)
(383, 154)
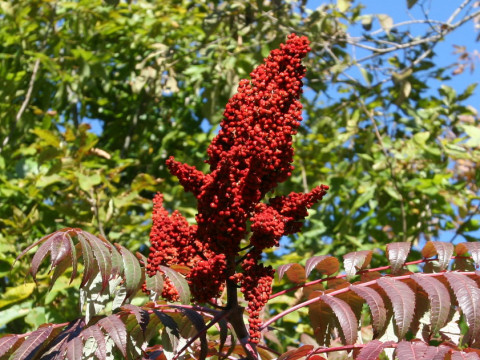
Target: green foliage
(399, 153)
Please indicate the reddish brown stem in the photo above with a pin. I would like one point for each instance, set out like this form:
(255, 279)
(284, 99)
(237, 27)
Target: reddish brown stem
(381, 268)
(235, 315)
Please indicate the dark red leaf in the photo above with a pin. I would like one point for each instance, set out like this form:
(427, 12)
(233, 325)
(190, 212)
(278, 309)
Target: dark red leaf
(356, 261)
(346, 317)
(102, 253)
(372, 350)
(46, 237)
(473, 248)
(75, 349)
(115, 329)
(32, 344)
(324, 263)
(407, 350)
(376, 305)
(468, 296)
(296, 354)
(397, 253)
(60, 248)
(6, 343)
(40, 254)
(403, 303)
(88, 261)
(439, 297)
(444, 250)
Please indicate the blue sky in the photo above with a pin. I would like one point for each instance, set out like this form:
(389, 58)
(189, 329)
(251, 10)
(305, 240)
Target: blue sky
(437, 10)
(464, 35)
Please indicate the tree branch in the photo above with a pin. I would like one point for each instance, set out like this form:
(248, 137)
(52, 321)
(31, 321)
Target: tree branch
(26, 101)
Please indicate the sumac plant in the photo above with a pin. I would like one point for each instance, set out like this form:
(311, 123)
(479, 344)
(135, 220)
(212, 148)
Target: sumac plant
(208, 287)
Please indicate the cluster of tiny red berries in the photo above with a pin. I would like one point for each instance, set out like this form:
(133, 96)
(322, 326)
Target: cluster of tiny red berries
(251, 154)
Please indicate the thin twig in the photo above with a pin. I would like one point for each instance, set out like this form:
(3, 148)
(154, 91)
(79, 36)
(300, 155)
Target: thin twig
(26, 101)
(381, 268)
(212, 322)
(341, 291)
(464, 224)
(457, 11)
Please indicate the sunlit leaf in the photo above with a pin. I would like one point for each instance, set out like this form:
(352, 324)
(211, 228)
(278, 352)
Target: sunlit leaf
(439, 299)
(325, 264)
(376, 305)
(33, 343)
(397, 253)
(115, 329)
(346, 317)
(373, 349)
(179, 282)
(403, 303)
(356, 261)
(444, 251)
(468, 297)
(473, 248)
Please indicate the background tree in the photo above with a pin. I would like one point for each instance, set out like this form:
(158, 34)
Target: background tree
(400, 158)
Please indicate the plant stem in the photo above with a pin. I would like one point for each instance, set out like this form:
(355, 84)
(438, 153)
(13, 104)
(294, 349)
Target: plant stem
(235, 315)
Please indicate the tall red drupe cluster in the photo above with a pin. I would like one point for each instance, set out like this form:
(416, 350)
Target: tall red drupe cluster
(251, 154)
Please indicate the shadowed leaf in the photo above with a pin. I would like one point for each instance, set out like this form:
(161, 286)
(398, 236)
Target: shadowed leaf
(376, 305)
(439, 298)
(75, 349)
(57, 348)
(321, 318)
(141, 315)
(397, 253)
(199, 323)
(346, 317)
(403, 303)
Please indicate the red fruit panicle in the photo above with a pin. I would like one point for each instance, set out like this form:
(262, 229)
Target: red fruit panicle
(249, 157)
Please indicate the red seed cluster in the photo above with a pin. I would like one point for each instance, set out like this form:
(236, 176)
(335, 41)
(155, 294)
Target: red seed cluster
(256, 286)
(252, 152)
(207, 279)
(172, 242)
(249, 157)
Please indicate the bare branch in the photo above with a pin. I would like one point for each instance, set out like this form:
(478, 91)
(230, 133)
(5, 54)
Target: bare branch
(26, 101)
